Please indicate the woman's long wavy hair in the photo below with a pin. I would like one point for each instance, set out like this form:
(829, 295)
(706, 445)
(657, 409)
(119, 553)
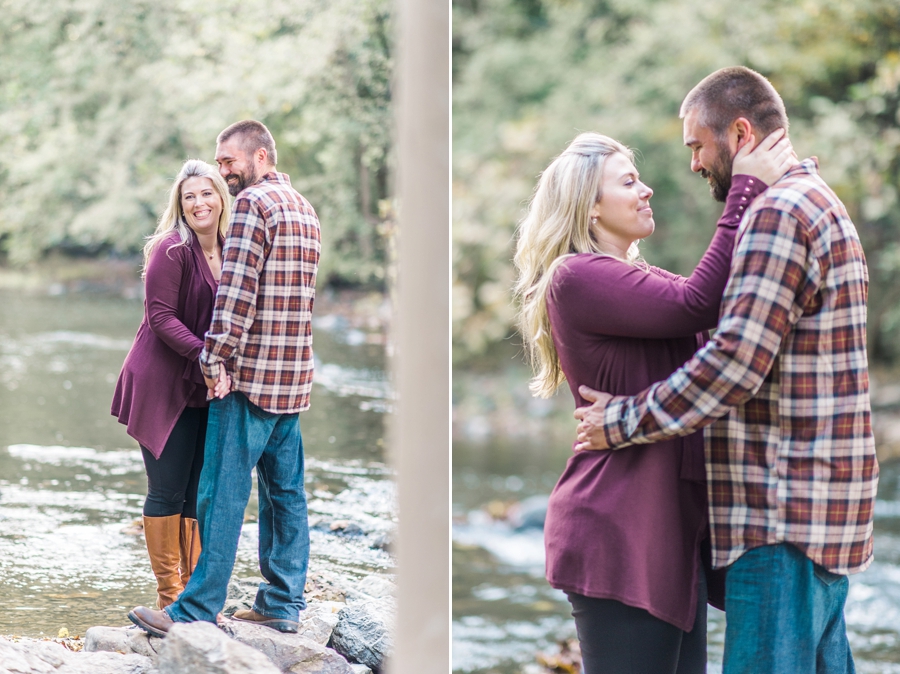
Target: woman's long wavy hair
(557, 226)
(173, 217)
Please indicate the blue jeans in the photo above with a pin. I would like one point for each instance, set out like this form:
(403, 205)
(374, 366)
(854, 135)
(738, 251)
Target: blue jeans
(239, 436)
(784, 614)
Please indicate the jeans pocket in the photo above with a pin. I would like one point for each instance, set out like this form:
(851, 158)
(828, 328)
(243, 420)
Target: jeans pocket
(825, 575)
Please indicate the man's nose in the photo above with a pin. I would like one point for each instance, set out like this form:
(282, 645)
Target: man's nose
(223, 170)
(695, 164)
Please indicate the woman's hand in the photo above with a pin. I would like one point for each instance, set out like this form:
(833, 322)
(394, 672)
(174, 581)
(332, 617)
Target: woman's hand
(767, 161)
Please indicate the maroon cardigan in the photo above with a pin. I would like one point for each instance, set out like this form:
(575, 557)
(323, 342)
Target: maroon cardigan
(627, 524)
(161, 374)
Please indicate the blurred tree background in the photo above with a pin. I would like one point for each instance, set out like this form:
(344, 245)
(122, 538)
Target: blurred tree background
(529, 75)
(101, 101)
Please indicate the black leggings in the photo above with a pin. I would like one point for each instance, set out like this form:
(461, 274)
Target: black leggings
(620, 639)
(172, 479)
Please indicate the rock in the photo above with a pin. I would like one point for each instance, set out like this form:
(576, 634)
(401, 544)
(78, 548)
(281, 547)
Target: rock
(529, 513)
(360, 669)
(241, 594)
(383, 541)
(290, 652)
(106, 663)
(111, 639)
(376, 586)
(143, 644)
(16, 659)
(363, 632)
(202, 648)
(319, 619)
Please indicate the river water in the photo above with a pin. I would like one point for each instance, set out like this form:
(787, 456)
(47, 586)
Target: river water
(504, 612)
(72, 482)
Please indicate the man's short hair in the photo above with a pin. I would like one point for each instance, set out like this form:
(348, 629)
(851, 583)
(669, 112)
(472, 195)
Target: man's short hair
(729, 93)
(253, 135)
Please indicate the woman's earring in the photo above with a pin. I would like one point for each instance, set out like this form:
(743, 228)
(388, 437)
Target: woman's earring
(594, 220)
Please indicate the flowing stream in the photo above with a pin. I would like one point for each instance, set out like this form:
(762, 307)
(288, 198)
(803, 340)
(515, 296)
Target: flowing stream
(72, 482)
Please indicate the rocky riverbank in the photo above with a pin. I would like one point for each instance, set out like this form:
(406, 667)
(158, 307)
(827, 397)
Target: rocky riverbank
(345, 629)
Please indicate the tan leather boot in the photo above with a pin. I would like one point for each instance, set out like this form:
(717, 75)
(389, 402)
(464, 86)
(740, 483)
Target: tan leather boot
(190, 548)
(163, 536)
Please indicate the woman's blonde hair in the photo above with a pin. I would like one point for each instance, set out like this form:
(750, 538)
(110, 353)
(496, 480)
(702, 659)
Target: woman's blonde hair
(556, 226)
(173, 217)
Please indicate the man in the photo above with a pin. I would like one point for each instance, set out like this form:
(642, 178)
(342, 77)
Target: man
(260, 338)
(790, 455)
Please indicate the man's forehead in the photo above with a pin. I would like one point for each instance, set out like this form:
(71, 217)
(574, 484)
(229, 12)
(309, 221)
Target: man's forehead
(229, 149)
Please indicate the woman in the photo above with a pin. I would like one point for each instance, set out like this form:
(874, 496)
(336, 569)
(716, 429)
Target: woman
(161, 396)
(624, 529)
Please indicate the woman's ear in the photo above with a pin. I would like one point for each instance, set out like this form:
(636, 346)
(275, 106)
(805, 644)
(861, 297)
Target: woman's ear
(595, 212)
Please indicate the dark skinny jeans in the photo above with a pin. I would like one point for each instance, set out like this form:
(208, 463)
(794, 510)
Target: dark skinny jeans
(172, 479)
(620, 639)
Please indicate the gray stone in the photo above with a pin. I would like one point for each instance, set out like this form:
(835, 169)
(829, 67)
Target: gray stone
(202, 648)
(363, 632)
(376, 586)
(319, 619)
(106, 663)
(241, 594)
(360, 669)
(16, 659)
(111, 639)
(290, 652)
(143, 644)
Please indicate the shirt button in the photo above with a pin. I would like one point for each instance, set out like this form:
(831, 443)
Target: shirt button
(743, 198)
(750, 181)
(746, 189)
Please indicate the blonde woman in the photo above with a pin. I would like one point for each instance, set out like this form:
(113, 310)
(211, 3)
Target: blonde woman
(161, 395)
(624, 529)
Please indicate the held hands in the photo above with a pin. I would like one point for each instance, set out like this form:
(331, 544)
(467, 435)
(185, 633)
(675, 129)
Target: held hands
(767, 161)
(218, 388)
(590, 430)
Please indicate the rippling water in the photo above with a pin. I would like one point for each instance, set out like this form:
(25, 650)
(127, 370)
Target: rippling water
(504, 612)
(72, 482)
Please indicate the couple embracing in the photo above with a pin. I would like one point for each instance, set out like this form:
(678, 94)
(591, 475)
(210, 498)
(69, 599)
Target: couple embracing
(213, 384)
(767, 509)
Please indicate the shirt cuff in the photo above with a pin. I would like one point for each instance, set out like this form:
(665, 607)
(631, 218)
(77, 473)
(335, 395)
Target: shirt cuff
(744, 189)
(209, 370)
(613, 425)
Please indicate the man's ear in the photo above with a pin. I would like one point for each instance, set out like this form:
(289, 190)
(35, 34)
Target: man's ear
(262, 156)
(741, 129)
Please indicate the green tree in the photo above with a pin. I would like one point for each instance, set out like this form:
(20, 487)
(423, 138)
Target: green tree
(529, 75)
(101, 101)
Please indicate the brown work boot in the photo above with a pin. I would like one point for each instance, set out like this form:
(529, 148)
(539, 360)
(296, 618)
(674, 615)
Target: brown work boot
(280, 624)
(155, 623)
(163, 536)
(189, 544)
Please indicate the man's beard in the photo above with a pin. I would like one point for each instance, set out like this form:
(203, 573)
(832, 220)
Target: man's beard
(719, 175)
(238, 182)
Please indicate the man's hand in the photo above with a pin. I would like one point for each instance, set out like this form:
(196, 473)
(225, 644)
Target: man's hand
(590, 430)
(221, 387)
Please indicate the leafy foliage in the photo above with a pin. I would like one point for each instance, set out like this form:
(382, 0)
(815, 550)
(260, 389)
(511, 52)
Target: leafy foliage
(529, 75)
(101, 101)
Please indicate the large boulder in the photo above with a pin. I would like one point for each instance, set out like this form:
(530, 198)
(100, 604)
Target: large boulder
(363, 632)
(122, 640)
(290, 652)
(202, 648)
(46, 657)
(319, 619)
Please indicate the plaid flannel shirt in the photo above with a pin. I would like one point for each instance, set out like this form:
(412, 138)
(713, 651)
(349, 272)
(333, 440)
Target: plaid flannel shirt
(261, 325)
(790, 456)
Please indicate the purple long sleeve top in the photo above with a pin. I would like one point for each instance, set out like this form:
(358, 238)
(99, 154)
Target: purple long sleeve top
(161, 374)
(628, 525)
